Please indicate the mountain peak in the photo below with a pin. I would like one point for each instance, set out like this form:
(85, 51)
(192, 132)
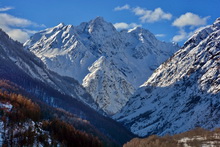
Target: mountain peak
(217, 20)
(60, 25)
(100, 25)
(114, 54)
(216, 24)
(99, 19)
(136, 29)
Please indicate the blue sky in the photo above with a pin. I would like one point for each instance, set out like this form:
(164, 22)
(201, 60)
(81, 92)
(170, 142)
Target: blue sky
(169, 20)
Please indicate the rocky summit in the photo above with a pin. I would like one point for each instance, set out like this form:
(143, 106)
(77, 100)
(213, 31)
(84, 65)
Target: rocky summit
(110, 64)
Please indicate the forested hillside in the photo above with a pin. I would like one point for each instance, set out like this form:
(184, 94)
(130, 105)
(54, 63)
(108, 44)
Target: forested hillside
(24, 122)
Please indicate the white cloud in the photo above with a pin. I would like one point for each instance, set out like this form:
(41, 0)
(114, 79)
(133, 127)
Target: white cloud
(147, 16)
(180, 37)
(160, 35)
(9, 20)
(125, 7)
(123, 25)
(5, 9)
(189, 19)
(183, 35)
(150, 16)
(15, 27)
(139, 11)
(18, 34)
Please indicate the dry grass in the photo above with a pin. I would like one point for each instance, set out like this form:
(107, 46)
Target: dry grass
(193, 138)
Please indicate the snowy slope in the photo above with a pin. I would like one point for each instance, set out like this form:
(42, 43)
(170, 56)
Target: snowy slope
(183, 93)
(101, 83)
(108, 63)
(17, 59)
(26, 74)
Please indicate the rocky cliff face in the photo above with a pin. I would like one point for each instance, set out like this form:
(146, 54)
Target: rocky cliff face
(183, 93)
(108, 63)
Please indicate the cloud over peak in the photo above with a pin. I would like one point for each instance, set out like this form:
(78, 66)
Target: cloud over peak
(123, 25)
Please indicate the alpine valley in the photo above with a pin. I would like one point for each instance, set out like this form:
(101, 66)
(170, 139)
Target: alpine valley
(182, 93)
(92, 85)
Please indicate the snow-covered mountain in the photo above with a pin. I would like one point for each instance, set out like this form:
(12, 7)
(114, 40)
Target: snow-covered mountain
(108, 63)
(14, 56)
(183, 93)
(33, 79)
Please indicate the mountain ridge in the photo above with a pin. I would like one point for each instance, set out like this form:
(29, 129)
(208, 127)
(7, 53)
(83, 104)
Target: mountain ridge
(182, 93)
(132, 54)
(35, 68)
